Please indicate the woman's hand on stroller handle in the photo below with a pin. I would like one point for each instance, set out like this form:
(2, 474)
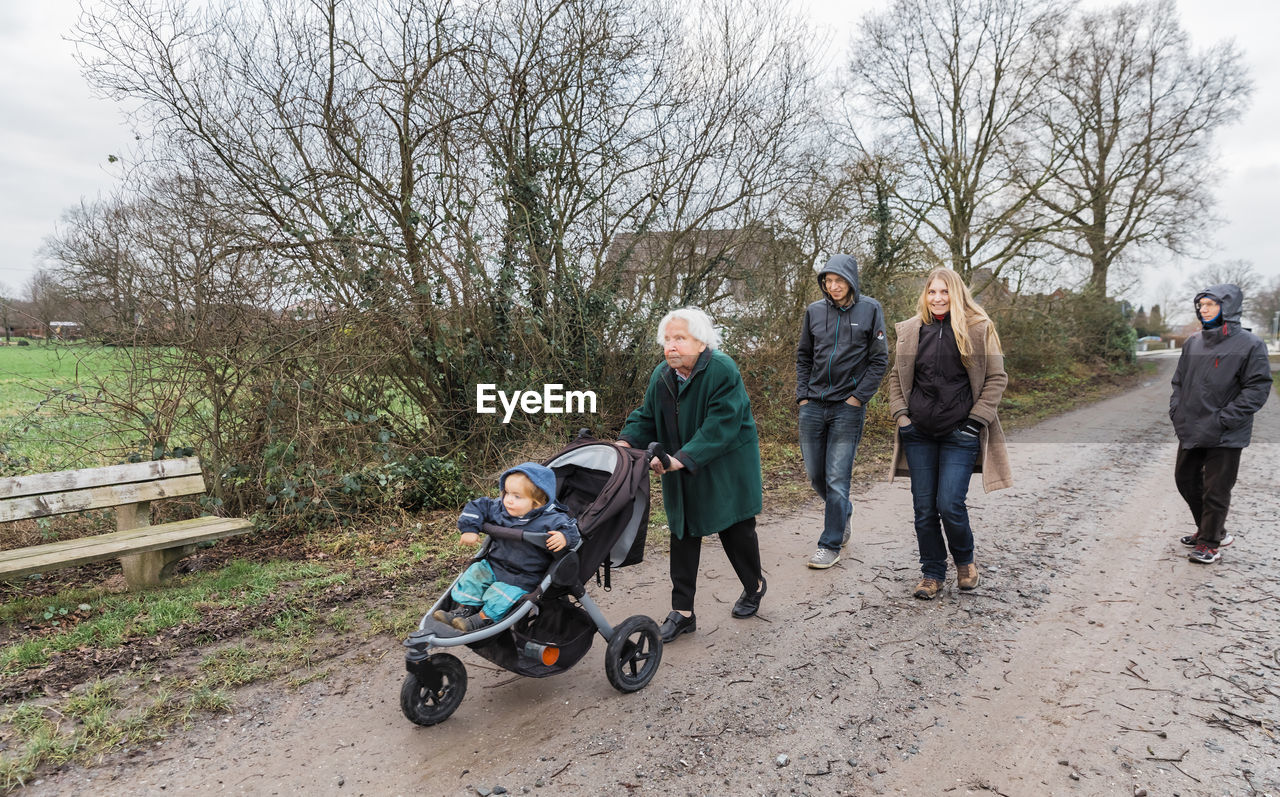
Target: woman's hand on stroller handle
(659, 462)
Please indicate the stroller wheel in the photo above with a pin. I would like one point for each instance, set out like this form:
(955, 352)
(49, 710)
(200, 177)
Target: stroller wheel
(633, 655)
(432, 694)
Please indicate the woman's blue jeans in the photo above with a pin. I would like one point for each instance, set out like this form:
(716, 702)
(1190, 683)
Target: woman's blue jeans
(829, 435)
(940, 471)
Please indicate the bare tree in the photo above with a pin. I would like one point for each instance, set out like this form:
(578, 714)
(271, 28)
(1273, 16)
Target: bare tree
(432, 190)
(6, 312)
(955, 84)
(92, 248)
(46, 301)
(1264, 307)
(1134, 109)
(1156, 321)
(1239, 273)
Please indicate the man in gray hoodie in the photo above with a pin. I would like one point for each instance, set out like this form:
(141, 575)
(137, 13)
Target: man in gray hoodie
(1223, 378)
(840, 359)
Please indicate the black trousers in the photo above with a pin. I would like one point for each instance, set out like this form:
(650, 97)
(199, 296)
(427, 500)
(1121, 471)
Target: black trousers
(1205, 477)
(742, 548)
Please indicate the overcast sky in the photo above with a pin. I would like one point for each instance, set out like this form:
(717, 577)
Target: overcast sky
(55, 138)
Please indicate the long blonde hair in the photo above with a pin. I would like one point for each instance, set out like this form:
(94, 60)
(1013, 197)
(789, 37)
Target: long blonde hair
(965, 312)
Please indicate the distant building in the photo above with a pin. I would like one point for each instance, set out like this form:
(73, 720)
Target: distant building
(733, 264)
(64, 330)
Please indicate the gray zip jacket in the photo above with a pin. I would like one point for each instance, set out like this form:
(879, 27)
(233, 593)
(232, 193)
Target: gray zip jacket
(842, 350)
(1222, 379)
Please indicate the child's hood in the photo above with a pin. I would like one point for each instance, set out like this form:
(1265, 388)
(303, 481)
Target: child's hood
(542, 477)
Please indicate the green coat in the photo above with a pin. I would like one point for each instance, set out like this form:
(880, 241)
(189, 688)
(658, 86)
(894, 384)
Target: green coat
(706, 423)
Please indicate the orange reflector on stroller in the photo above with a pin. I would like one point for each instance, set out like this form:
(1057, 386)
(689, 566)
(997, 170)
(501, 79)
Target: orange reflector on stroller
(547, 654)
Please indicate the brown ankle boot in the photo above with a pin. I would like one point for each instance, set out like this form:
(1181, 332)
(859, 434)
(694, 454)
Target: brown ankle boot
(967, 577)
(927, 589)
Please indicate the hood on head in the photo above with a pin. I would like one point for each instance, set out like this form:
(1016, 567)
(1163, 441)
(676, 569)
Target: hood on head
(1229, 296)
(542, 477)
(842, 266)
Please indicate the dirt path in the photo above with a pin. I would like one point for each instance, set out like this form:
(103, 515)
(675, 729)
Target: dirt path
(1094, 660)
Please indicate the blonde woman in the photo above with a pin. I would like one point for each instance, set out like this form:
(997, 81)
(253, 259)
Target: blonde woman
(944, 388)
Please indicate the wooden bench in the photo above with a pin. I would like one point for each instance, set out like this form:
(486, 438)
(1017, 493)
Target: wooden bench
(147, 553)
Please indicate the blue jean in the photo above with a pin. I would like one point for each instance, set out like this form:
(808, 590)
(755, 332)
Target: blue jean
(940, 471)
(830, 432)
(479, 587)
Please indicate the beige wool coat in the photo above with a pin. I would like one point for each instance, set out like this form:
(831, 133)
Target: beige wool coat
(987, 380)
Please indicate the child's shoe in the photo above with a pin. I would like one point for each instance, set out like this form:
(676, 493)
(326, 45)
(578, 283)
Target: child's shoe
(462, 610)
(473, 623)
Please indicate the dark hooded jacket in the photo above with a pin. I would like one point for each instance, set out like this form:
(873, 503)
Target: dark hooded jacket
(842, 350)
(514, 562)
(1222, 379)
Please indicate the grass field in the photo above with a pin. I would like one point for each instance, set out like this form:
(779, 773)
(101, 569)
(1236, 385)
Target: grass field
(45, 394)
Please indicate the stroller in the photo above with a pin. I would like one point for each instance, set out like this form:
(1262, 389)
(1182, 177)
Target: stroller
(549, 630)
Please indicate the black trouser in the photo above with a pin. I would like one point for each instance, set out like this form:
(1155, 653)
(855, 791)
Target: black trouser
(1205, 477)
(741, 546)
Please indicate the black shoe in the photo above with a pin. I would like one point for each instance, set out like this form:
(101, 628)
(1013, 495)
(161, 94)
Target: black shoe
(749, 603)
(677, 624)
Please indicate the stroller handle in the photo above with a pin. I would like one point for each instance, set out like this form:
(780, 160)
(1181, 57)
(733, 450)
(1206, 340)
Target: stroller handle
(655, 450)
(538, 538)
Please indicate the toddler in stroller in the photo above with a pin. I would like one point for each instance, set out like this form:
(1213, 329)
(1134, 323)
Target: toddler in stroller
(548, 627)
(492, 585)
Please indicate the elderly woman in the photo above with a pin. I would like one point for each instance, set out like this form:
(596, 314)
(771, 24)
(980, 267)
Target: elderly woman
(697, 407)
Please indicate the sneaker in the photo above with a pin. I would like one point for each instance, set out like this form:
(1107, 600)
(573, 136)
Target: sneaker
(473, 623)
(927, 589)
(461, 610)
(1192, 540)
(1204, 555)
(823, 558)
(967, 577)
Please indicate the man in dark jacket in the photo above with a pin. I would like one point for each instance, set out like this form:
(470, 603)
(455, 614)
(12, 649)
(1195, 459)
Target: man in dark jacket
(840, 359)
(1222, 379)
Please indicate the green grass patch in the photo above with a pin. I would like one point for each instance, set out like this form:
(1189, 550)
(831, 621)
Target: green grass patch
(233, 666)
(112, 619)
(45, 395)
(279, 617)
(96, 718)
(88, 723)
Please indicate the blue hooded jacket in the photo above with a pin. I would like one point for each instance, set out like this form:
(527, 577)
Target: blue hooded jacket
(515, 562)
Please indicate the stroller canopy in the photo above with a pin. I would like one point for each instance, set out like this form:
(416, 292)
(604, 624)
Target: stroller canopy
(607, 489)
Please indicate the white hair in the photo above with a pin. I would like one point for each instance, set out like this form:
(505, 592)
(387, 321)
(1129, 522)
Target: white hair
(699, 323)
